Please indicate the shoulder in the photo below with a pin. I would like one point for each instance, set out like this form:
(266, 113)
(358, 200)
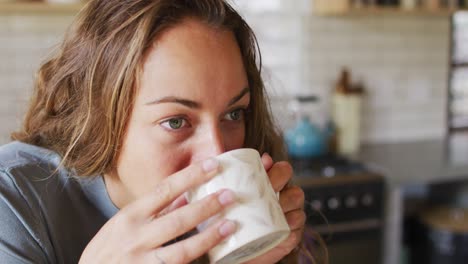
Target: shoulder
(17, 154)
(23, 169)
(26, 173)
(28, 166)
(33, 173)
(30, 173)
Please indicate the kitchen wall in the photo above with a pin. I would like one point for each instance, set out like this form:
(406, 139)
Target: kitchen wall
(25, 40)
(401, 59)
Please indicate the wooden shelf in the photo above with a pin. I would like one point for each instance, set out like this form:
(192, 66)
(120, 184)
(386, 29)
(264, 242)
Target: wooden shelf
(34, 7)
(463, 64)
(377, 11)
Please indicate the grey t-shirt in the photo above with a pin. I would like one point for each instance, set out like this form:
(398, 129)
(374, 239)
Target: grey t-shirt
(46, 217)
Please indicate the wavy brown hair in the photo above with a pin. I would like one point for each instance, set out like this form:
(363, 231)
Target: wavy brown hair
(84, 93)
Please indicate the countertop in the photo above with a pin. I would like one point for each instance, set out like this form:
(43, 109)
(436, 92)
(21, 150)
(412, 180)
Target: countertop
(420, 162)
(413, 163)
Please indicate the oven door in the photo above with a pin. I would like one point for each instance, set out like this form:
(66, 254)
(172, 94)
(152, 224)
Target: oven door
(360, 247)
(348, 215)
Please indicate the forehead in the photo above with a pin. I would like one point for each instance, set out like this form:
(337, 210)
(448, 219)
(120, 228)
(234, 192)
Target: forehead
(192, 59)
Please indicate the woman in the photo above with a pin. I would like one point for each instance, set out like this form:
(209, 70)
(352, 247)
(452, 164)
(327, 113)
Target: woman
(124, 119)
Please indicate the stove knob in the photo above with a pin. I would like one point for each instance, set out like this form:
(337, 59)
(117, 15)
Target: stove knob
(316, 205)
(333, 203)
(351, 201)
(367, 199)
(328, 171)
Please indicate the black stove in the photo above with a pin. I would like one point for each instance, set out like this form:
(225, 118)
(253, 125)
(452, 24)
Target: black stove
(344, 203)
(327, 166)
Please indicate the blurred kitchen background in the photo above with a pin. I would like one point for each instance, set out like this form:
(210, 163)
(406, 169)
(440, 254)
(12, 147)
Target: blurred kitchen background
(372, 98)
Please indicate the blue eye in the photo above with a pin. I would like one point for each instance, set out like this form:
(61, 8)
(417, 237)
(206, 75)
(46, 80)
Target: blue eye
(174, 123)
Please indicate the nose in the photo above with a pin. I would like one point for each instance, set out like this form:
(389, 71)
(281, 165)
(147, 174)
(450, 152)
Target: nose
(210, 143)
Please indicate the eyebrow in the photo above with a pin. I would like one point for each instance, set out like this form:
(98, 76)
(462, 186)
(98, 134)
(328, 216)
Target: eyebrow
(193, 104)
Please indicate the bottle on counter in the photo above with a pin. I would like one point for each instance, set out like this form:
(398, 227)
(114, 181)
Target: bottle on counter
(304, 138)
(346, 114)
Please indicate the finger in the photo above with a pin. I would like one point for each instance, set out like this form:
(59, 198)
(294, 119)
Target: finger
(280, 174)
(291, 198)
(172, 187)
(184, 219)
(296, 219)
(280, 251)
(194, 247)
(291, 242)
(267, 161)
(179, 202)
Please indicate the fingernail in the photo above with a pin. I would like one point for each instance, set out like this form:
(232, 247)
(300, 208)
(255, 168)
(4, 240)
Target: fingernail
(210, 164)
(226, 197)
(227, 228)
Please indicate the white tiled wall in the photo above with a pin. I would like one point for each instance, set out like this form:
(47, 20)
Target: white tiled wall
(24, 42)
(401, 59)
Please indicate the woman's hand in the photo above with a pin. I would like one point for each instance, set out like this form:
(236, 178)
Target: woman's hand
(292, 202)
(138, 232)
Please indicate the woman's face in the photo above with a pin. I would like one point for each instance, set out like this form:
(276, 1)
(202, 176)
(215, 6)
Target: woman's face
(189, 106)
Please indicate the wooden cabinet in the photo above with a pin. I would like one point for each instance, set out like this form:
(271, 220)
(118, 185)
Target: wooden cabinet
(376, 7)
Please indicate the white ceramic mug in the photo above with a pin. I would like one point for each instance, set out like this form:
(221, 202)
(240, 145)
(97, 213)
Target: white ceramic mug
(261, 224)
